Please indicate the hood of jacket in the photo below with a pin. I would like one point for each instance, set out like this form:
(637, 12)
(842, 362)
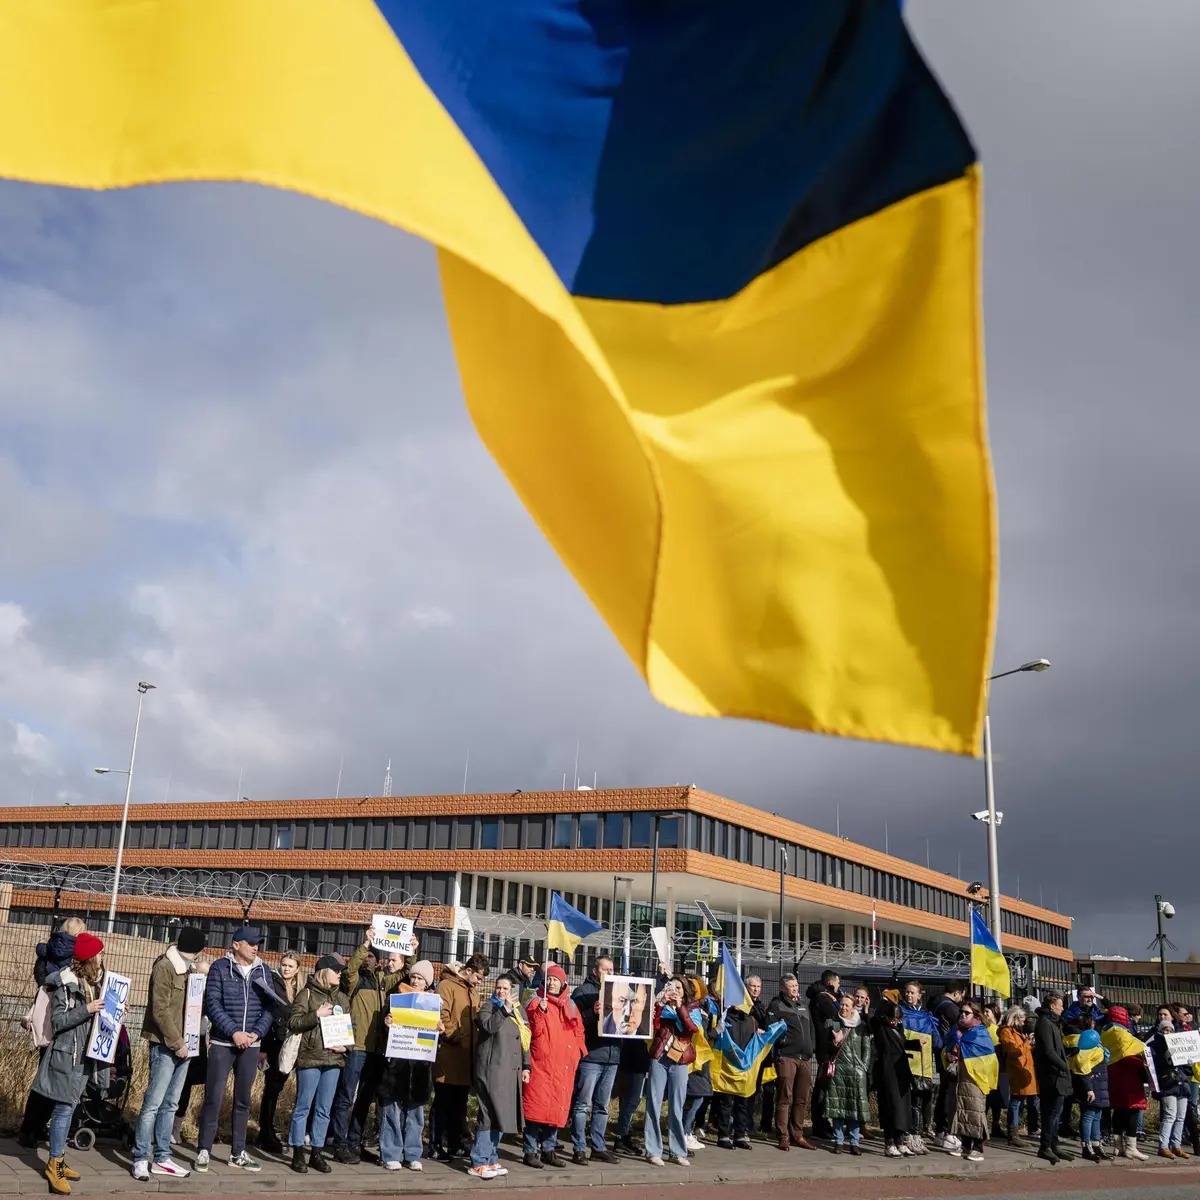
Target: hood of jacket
(59, 950)
(64, 977)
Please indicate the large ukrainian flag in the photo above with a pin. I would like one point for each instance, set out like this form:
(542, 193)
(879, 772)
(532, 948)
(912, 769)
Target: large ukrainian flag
(712, 274)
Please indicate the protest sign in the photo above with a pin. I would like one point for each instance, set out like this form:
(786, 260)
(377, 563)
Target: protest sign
(391, 935)
(337, 1030)
(1184, 1047)
(413, 1032)
(193, 1012)
(662, 944)
(106, 1024)
(626, 1007)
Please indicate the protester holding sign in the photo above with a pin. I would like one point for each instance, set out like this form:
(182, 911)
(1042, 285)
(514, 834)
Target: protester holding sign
(62, 1073)
(318, 1063)
(164, 1026)
(1172, 1088)
(405, 1089)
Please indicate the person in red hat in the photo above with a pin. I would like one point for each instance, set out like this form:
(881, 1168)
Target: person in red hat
(556, 1047)
(62, 1073)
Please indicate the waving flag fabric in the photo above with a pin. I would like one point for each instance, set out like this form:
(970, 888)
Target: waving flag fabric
(920, 1026)
(730, 985)
(567, 926)
(1084, 1051)
(735, 1068)
(712, 276)
(989, 968)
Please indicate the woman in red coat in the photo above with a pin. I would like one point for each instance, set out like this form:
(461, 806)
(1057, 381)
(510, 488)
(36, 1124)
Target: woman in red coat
(1126, 1079)
(554, 1053)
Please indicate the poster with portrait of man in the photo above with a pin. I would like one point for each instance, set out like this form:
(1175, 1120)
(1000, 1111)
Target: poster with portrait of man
(626, 1007)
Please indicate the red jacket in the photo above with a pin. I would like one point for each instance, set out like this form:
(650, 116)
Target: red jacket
(557, 1046)
(679, 1030)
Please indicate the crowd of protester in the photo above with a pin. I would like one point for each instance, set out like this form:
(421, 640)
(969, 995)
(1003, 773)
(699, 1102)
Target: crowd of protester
(533, 1054)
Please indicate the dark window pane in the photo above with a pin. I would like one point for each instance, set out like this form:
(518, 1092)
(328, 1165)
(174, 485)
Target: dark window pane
(441, 833)
(420, 834)
(245, 835)
(756, 849)
(464, 833)
(481, 892)
(614, 830)
(320, 835)
(497, 904)
(439, 889)
(489, 833)
(526, 900)
(510, 905)
(837, 935)
(337, 835)
(379, 832)
(641, 830)
(512, 833)
(283, 837)
(564, 831)
(540, 906)
(399, 834)
(719, 838)
(668, 833)
(535, 832)
(589, 831)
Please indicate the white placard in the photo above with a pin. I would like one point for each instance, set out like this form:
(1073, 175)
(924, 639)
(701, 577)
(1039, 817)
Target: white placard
(193, 1013)
(411, 1042)
(391, 935)
(1184, 1047)
(626, 1007)
(106, 1024)
(662, 944)
(337, 1030)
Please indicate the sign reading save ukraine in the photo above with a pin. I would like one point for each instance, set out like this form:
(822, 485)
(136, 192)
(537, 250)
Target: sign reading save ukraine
(413, 1031)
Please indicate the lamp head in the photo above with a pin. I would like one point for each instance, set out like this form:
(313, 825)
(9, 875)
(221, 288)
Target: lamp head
(1038, 664)
(144, 687)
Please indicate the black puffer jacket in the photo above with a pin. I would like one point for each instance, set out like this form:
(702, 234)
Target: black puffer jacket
(1050, 1057)
(53, 956)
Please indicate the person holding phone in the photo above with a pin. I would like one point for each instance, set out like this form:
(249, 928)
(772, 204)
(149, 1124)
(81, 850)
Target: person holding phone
(671, 1056)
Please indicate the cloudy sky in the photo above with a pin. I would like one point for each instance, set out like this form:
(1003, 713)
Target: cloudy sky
(234, 460)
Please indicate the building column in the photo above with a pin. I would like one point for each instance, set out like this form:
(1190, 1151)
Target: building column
(737, 954)
(628, 925)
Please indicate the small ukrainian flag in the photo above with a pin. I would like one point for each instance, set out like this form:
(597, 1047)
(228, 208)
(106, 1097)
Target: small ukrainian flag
(989, 968)
(567, 926)
(730, 985)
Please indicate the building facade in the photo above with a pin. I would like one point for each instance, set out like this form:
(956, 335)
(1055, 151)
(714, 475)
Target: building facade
(476, 873)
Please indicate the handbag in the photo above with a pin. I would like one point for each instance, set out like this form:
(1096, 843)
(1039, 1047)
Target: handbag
(827, 1071)
(288, 1053)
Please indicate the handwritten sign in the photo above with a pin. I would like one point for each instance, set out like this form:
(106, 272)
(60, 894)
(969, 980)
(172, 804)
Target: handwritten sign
(106, 1024)
(413, 1032)
(337, 1030)
(1184, 1047)
(193, 1013)
(391, 935)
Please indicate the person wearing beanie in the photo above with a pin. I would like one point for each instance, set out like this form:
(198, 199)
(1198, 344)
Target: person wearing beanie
(405, 1090)
(62, 1073)
(163, 1026)
(423, 969)
(558, 1043)
(240, 1003)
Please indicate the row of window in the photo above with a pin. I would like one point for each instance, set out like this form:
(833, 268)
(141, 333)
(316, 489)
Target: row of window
(562, 831)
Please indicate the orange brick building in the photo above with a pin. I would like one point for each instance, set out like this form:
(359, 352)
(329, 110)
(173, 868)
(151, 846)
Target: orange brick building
(476, 873)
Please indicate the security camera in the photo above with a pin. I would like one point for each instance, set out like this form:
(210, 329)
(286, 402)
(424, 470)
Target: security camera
(1168, 909)
(981, 815)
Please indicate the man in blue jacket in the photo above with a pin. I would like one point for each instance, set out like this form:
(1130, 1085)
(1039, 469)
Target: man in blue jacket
(597, 1072)
(240, 1003)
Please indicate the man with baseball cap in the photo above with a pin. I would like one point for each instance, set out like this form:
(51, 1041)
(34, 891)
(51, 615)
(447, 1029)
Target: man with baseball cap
(240, 1003)
(163, 1028)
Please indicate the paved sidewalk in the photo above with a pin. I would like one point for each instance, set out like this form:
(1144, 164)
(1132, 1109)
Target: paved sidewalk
(105, 1171)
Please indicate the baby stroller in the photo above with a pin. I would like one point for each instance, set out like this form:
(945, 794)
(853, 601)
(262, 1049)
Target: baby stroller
(100, 1112)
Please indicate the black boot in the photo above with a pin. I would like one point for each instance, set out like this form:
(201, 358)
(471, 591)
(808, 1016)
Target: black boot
(1065, 1155)
(298, 1161)
(318, 1162)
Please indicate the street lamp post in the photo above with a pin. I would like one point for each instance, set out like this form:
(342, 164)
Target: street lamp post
(1163, 908)
(991, 819)
(143, 688)
(783, 862)
(612, 923)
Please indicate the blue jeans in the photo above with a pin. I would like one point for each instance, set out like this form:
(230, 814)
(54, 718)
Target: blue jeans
(690, 1110)
(314, 1085)
(60, 1126)
(400, 1128)
(1089, 1125)
(669, 1079)
(485, 1150)
(1172, 1110)
(844, 1130)
(152, 1133)
(360, 1081)
(1014, 1113)
(593, 1089)
(539, 1137)
(631, 1097)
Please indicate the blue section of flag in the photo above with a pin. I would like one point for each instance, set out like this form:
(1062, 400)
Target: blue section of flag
(430, 1001)
(576, 924)
(730, 983)
(981, 935)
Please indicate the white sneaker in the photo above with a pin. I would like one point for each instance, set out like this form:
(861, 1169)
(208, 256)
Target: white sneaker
(141, 1170)
(498, 1170)
(655, 1160)
(693, 1143)
(951, 1145)
(906, 1151)
(169, 1168)
(680, 1160)
(893, 1152)
(202, 1161)
(414, 1166)
(975, 1156)
(393, 1166)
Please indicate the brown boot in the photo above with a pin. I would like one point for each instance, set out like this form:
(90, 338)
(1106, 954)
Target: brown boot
(69, 1173)
(783, 1142)
(55, 1177)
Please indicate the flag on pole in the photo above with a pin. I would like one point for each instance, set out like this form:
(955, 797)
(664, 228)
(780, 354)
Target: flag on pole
(712, 276)
(567, 926)
(989, 968)
(730, 985)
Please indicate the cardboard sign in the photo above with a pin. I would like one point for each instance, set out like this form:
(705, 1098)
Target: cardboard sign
(106, 1024)
(1184, 1047)
(337, 1030)
(193, 1013)
(391, 935)
(662, 945)
(626, 1007)
(413, 1033)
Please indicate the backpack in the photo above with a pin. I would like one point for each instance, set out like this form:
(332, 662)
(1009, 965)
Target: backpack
(37, 1020)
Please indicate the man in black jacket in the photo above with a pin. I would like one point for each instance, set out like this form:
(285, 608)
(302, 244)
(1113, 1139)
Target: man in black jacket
(793, 1055)
(596, 1073)
(945, 1013)
(1053, 1074)
(734, 1112)
(823, 1006)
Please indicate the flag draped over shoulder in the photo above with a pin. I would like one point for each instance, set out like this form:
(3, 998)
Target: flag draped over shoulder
(1120, 1043)
(1085, 1051)
(735, 1068)
(920, 1026)
(977, 1056)
(567, 926)
(989, 968)
(712, 277)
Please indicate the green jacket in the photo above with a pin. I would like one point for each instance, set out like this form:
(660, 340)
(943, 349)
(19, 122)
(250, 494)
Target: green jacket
(303, 1019)
(167, 1000)
(846, 1094)
(368, 991)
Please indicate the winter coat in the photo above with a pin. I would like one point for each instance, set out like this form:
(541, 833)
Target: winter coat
(499, 1061)
(1172, 1081)
(893, 1077)
(303, 1019)
(368, 992)
(800, 1040)
(237, 1002)
(1126, 1074)
(53, 956)
(970, 1107)
(600, 1050)
(822, 1003)
(272, 1044)
(945, 1013)
(557, 1047)
(674, 1025)
(758, 1010)
(1070, 1017)
(741, 1027)
(846, 1092)
(1095, 1080)
(456, 1049)
(63, 1069)
(1018, 1062)
(166, 1000)
(1050, 1057)
(920, 1027)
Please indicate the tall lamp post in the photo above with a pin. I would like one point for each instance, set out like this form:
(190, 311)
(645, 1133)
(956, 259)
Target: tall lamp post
(1164, 908)
(991, 818)
(659, 817)
(143, 688)
(783, 862)
(612, 923)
